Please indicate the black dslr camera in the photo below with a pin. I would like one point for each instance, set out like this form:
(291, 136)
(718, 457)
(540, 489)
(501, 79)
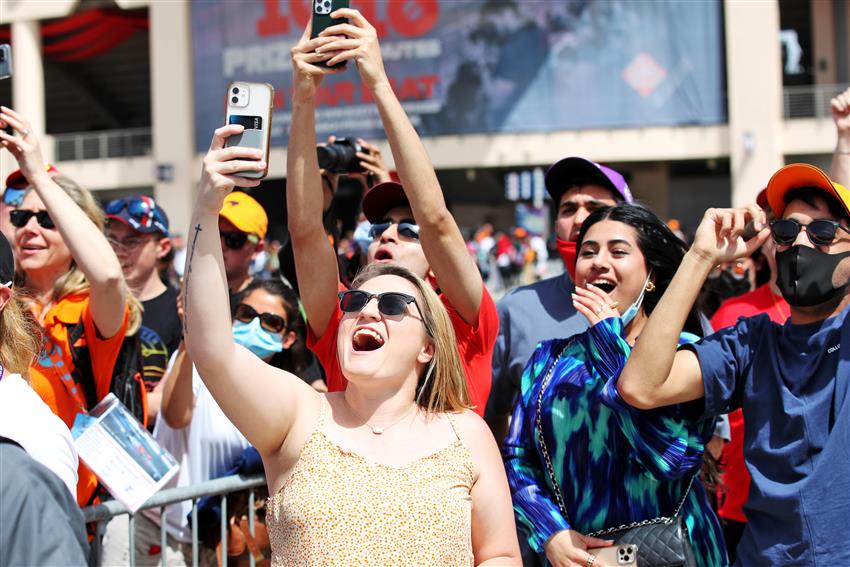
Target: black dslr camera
(340, 156)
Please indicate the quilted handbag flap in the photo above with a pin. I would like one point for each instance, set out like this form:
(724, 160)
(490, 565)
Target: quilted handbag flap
(659, 545)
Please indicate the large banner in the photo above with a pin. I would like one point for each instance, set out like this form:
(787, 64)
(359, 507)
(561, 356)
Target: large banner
(473, 66)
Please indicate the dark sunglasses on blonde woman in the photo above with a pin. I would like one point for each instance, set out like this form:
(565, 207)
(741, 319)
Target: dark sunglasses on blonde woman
(20, 217)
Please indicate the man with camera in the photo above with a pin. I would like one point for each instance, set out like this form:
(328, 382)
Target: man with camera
(339, 159)
(543, 310)
(413, 226)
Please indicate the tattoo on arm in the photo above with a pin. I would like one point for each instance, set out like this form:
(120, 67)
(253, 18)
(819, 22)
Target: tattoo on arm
(186, 281)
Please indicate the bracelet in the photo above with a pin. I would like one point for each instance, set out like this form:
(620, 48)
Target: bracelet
(841, 153)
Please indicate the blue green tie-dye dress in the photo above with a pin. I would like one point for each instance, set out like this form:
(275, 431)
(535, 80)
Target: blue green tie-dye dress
(615, 464)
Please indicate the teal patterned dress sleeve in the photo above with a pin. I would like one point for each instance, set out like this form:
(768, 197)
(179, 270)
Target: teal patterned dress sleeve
(665, 441)
(534, 503)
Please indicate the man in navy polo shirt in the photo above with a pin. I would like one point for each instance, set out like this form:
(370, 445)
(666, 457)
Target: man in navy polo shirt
(791, 380)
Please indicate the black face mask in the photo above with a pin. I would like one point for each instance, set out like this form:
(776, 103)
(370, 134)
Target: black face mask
(726, 285)
(804, 275)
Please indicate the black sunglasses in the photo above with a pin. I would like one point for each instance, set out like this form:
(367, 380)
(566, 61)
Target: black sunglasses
(234, 240)
(268, 321)
(821, 231)
(20, 217)
(390, 303)
(406, 228)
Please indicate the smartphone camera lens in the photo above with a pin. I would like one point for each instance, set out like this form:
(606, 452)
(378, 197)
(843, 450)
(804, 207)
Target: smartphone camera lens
(234, 100)
(235, 90)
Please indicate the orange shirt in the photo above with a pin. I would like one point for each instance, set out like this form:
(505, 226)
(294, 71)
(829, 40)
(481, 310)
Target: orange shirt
(50, 374)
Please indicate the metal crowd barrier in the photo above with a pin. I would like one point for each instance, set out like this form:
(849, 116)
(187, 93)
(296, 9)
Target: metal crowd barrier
(102, 513)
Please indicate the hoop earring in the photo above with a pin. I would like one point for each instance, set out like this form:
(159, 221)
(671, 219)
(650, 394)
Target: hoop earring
(650, 287)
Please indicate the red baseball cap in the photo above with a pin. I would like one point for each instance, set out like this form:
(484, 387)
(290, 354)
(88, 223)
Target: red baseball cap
(17, 180)
(382, 198)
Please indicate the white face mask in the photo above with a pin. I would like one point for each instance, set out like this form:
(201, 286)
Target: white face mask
(630, 313)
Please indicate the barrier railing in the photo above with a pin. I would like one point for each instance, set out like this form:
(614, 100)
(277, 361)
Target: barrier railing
(102, 513)
(809, 101)
(128, 142)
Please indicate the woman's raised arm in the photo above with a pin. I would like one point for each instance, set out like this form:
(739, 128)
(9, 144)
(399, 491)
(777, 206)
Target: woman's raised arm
(88, 245)
(259, 399)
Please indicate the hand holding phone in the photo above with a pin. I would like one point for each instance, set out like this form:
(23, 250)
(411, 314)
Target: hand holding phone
(322, 10)
(624, 555)
(250, 104)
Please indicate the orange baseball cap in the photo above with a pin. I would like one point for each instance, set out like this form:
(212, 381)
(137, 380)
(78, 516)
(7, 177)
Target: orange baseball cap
(797, 175)
(245, 213)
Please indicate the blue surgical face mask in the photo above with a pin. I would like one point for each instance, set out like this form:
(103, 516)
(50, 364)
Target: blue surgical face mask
(630, 313)
(256, 339)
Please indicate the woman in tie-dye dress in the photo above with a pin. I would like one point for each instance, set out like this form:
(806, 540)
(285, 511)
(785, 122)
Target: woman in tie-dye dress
(614, 464)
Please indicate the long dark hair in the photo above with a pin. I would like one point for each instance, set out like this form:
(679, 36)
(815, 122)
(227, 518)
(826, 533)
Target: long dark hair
(294, 359)
(662, 250)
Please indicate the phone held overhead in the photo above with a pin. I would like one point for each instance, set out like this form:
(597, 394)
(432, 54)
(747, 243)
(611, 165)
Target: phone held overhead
(250, 104)
(322, 10)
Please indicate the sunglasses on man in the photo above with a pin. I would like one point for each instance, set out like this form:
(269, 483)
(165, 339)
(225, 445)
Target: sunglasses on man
(406, 229)
(268, 321)
(235, 240)
(20, 217)
(821, 231)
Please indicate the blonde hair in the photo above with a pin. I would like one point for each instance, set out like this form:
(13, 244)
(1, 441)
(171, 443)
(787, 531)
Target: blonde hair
(442, 386)
(74, 281)
(20, 339)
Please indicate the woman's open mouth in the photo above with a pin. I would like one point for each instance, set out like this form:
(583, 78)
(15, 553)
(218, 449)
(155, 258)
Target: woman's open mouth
(604, 284)
(366, 340)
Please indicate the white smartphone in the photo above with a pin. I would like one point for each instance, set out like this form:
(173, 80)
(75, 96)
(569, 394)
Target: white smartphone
(622, 555)
(250, 104)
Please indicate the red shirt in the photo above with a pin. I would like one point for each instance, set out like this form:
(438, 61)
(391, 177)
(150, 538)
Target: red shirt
(475, 345)
(736, 478)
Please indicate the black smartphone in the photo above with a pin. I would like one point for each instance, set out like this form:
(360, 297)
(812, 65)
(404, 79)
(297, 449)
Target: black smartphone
(5, 61)
(322, 10)
(6, 73)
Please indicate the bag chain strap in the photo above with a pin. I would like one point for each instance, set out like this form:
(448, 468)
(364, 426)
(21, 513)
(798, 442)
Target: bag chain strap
(556, 487)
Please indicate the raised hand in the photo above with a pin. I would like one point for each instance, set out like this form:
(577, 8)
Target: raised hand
(372, 162)
(595, 304)
(360, 45)
(305, 54)
(221, 164)
(719, 236)
(24, 146)
(840, 106)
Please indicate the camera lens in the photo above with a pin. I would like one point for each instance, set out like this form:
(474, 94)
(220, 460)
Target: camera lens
(235, 90)
(234, 100)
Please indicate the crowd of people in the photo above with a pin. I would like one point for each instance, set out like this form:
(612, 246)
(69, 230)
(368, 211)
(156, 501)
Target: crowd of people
(400, 414)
